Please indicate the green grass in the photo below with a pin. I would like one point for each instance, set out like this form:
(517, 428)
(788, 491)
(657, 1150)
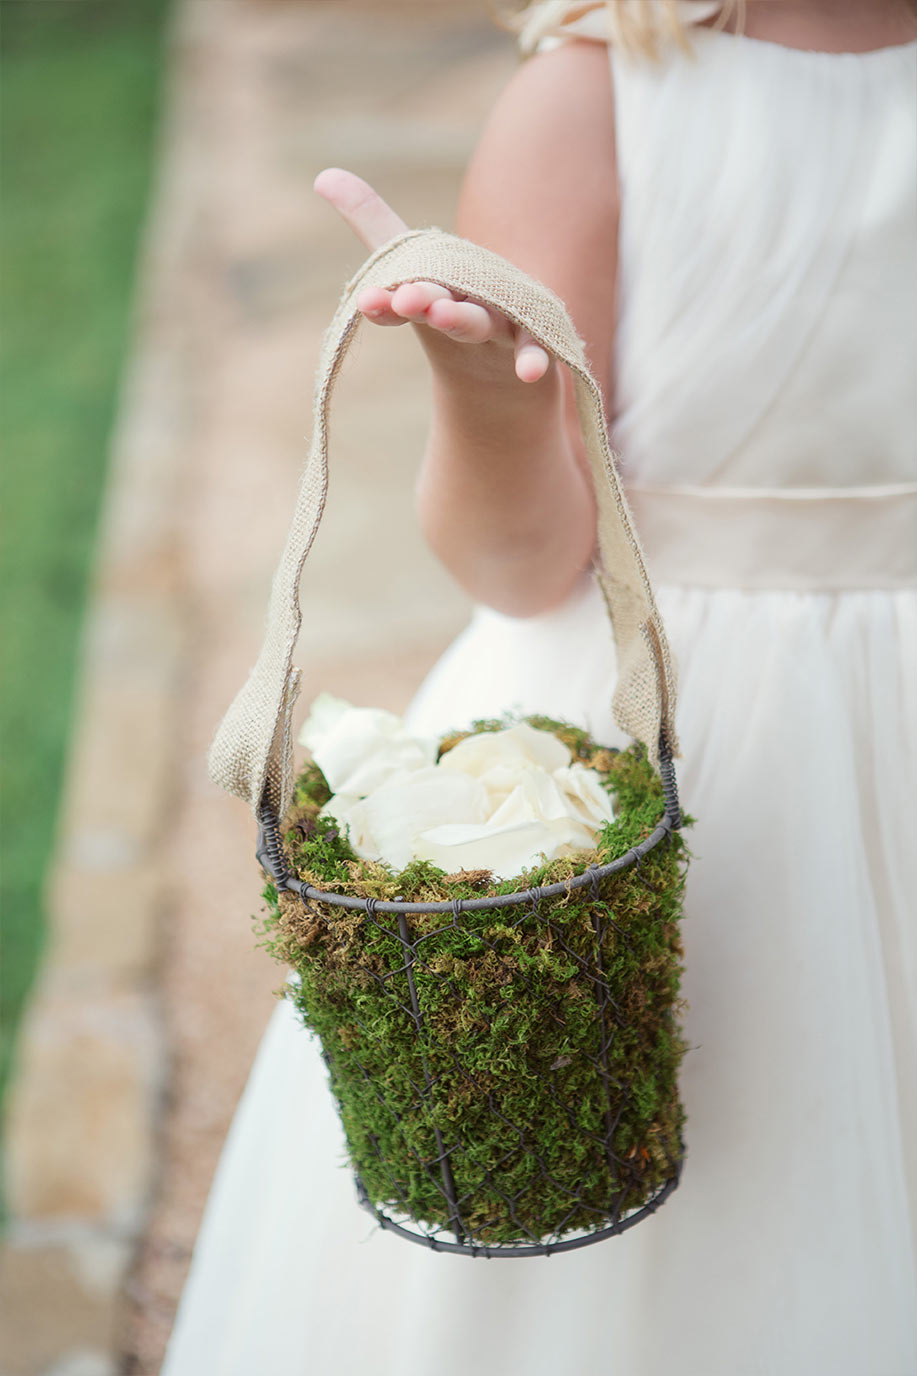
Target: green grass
(80, 85)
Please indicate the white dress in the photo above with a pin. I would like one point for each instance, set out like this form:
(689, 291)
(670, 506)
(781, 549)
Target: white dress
(765, 352)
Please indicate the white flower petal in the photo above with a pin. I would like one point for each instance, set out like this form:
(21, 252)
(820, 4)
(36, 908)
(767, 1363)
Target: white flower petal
(541, 747)
(398, 810)
(505, 850)
(570, 836)
(535, 797)
(586, 798)
(547, 796)
(515, 809)
(517, 745)
(499, 781)
(324, 712)
(350, 814)
(359, 748)
(500, 800)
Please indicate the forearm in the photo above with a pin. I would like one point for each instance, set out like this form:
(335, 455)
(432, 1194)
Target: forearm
(501, 497)
(504, 496)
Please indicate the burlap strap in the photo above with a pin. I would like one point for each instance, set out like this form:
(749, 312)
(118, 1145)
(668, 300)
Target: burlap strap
(252, 753)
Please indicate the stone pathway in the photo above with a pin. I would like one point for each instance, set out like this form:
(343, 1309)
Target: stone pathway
(153, 996)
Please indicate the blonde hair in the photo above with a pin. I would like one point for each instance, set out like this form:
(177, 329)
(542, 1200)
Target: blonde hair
(636, 26)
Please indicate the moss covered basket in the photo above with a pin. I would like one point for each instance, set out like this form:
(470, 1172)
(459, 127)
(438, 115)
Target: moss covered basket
(506, 1075)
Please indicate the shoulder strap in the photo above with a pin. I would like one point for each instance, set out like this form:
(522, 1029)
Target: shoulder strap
(252, 754)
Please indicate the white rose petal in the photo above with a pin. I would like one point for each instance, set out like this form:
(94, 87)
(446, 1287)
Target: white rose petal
(397, 811)
(350, 814)
(570, 836)
(515, 746)
(515, 809)
(499, 800)
(505, 850)
(585, 794)
(498, 781)
(536, 797)
(359, 748)
(324, 712)
(541, 747)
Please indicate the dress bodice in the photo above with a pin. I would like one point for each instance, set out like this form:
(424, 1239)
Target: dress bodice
(766, 339)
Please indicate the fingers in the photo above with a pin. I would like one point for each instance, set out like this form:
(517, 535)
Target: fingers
(376, 305)
(466, 322)
(427, 303)
(532, 361)
(371, 219)
(471, 323)
(409, 302)
(416, 300)
(423, 303)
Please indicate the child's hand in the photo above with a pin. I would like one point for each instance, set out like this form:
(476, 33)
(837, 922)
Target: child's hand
(423, 303)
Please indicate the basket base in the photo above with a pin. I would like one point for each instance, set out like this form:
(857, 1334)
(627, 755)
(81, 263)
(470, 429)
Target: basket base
(437, 1243)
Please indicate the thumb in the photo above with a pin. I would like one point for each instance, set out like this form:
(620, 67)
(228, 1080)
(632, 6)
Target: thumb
(371, 219)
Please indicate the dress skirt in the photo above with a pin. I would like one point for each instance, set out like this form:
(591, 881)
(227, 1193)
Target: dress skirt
(789, 1247)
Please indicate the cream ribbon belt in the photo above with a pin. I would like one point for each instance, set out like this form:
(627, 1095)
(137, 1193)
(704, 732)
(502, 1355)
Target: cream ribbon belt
(798, 538)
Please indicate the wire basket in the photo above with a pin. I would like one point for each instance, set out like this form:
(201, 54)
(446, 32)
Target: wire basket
(474, 1135)
(504, 1066)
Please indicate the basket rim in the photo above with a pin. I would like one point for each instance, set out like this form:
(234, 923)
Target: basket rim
(271, 857)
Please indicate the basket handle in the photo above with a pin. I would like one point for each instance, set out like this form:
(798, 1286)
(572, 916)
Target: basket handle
(252, 753)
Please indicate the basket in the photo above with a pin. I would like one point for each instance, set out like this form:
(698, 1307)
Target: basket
(503, 1056)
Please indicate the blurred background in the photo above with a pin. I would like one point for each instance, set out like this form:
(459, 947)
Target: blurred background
(167, 275)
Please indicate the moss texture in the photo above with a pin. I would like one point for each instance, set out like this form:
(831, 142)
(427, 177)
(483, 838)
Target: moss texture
(541, 1050)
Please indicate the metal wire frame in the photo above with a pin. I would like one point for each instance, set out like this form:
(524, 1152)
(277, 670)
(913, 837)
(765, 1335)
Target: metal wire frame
(271, 856)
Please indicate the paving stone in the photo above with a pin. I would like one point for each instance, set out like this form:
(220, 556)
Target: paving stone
(107, 916)
(83, 1105)
(59, 1307)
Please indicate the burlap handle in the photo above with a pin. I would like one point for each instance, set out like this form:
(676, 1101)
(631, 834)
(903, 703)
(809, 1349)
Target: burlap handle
(252, 753)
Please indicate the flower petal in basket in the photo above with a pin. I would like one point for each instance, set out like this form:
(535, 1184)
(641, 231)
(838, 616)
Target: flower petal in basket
(517, 745)
(387, 823)
(359, 748)
(585, 795)
(505, 850)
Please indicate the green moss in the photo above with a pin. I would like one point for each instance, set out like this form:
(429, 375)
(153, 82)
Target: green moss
(545, 1055)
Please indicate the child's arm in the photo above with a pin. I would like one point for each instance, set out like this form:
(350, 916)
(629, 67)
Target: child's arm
(503, 493)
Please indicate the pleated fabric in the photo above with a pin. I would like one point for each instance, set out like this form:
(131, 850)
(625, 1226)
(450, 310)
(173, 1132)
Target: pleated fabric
(764, 355)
